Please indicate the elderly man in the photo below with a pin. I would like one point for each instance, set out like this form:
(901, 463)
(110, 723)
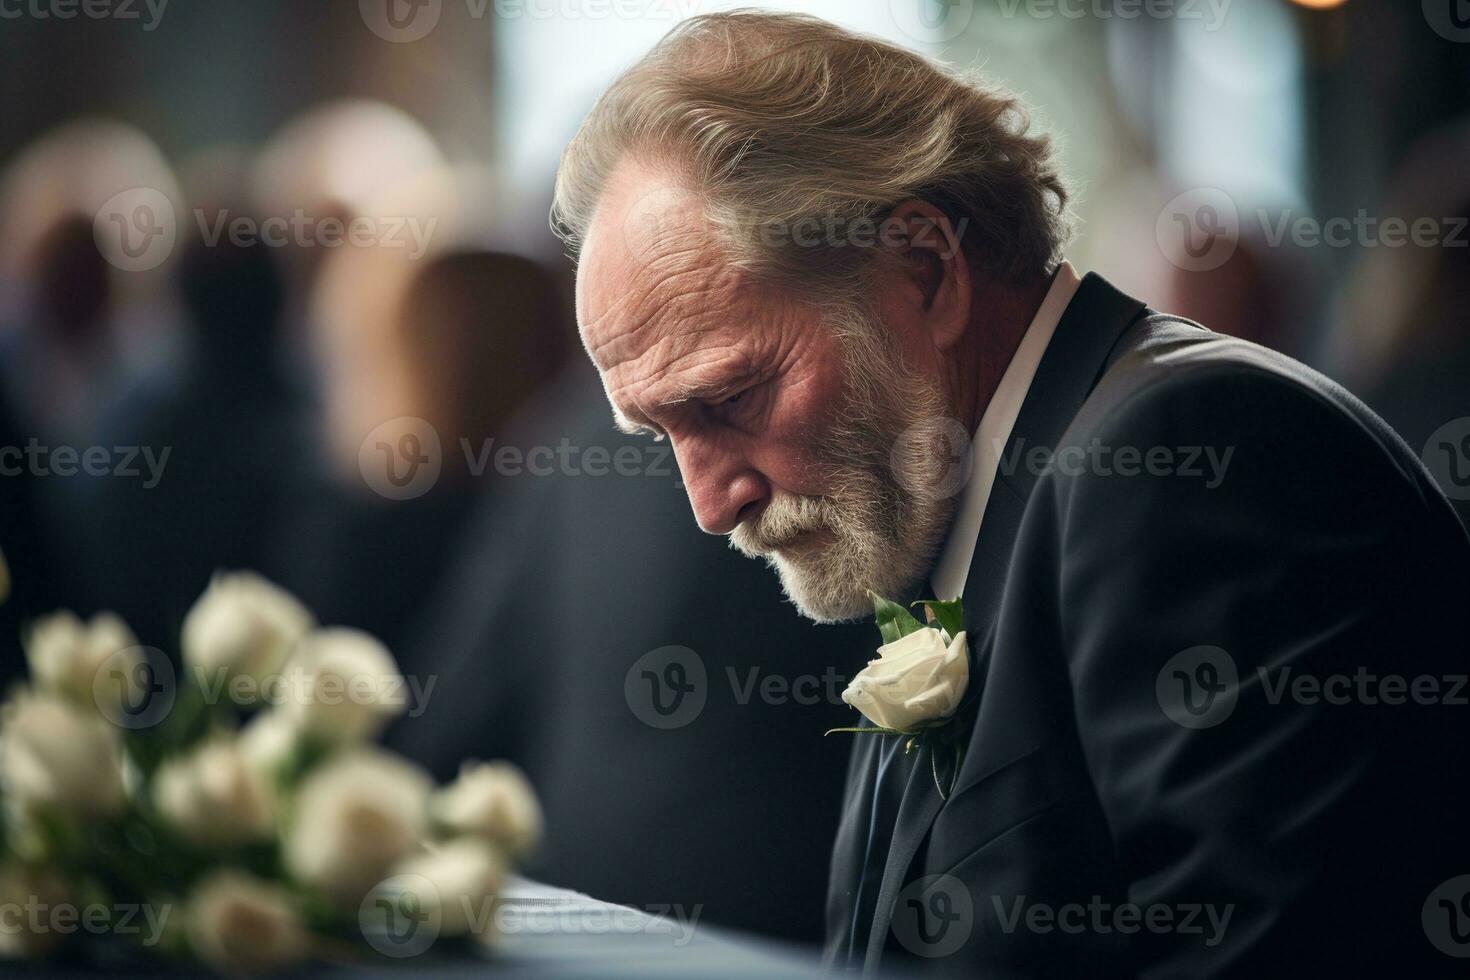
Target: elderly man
(1208, 722)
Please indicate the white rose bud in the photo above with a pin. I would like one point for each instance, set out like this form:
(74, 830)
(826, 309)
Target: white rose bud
(242, 626)
(215, 795)
(239, 924)
(268, 740)
(65, 656)
(916, 678)
(55, 754)
(463, 877)
(24, 890)
(344, 685)
(354, 817)
(494, 801)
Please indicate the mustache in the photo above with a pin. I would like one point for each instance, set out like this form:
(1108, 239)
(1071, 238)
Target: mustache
(785, 517)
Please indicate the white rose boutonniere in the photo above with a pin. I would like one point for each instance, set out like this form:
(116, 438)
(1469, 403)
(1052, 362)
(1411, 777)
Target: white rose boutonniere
(916, 679)
(916, 685)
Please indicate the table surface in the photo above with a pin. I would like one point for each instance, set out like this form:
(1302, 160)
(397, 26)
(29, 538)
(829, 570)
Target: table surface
(542, 932)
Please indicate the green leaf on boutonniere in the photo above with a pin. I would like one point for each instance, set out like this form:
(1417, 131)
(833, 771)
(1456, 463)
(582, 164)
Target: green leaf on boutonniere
(894, 621)
(946, 613)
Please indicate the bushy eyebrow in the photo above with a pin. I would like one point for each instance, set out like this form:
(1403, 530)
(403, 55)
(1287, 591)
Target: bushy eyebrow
(714, 381)
(628, 427)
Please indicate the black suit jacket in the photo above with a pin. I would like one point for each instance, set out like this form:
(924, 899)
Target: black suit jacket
(1107, 804)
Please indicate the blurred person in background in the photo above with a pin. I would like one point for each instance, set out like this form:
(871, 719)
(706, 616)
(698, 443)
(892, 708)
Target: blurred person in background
(329, 163)
(1267, 292)
(82, 325)
(423, 363)
(230, 422)
(1406, 333)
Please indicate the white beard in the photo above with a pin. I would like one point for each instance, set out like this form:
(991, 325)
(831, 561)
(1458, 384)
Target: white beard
(888, 512)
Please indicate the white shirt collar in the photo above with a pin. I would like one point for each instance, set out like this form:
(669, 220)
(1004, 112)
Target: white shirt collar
(953, 567)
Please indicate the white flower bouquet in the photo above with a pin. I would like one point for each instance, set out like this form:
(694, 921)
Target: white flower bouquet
(228, 807)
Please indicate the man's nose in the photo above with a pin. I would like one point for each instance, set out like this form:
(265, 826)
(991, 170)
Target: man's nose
(723, 489)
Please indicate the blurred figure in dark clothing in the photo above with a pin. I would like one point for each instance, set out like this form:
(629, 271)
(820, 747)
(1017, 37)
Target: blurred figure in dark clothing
(418, 356)
(76, 331)
(25, 584)
(1425, 394)
(71, 287)
(56, 368)
(234, 439)
(580, 584)
(1406, 336)
(74, 324)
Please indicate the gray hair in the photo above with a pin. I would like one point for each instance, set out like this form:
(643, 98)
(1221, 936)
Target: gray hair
(779, 120)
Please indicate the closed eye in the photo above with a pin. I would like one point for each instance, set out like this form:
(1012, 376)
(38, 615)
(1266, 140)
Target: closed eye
(736, 403)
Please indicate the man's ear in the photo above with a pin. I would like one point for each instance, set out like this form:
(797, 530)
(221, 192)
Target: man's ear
(935, 267)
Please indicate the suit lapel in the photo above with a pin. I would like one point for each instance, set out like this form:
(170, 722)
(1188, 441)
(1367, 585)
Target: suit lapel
(1074, 360)
(921, 803)
(849, 850)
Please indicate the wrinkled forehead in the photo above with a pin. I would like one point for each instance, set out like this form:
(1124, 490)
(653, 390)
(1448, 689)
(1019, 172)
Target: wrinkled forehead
(650, 255)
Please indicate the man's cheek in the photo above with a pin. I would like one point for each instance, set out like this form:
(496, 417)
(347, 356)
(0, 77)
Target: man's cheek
(798, 462)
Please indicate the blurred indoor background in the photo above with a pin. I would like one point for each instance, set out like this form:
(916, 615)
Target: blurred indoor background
(326, 397)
